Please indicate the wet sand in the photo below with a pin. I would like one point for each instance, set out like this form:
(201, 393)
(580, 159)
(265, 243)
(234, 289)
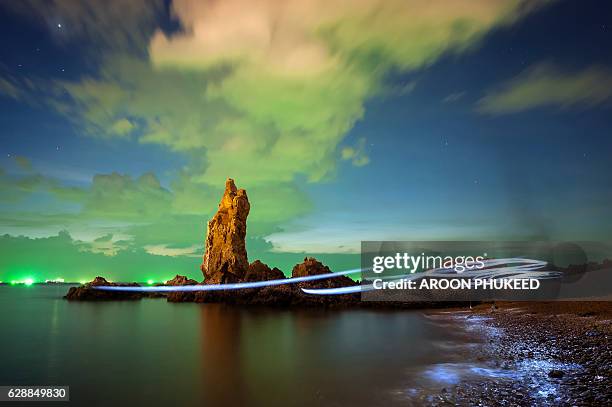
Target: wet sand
(541, 353)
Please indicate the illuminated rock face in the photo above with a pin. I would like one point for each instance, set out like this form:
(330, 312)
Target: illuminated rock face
(310, 267)
(225, 255)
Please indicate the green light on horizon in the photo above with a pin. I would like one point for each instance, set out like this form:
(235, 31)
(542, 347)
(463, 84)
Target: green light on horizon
(150, 282)
(28, 281)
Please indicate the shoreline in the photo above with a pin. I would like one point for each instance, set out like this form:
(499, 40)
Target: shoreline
(536, 353)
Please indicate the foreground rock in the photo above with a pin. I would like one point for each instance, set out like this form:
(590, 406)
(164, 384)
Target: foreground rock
(86, 292)
(225, 256)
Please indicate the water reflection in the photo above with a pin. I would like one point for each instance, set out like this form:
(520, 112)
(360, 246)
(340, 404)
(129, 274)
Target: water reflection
(223, 380)
(151, 352)
(278, 357)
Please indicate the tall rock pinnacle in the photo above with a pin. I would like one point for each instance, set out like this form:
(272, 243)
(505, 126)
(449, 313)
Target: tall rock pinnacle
(225, 255)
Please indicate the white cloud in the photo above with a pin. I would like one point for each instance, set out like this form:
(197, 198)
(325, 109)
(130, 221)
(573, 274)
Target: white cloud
(166, 250)
(546, 85)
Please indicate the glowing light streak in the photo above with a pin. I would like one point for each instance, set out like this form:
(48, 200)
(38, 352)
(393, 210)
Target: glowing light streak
(510, 268)
(234, 286)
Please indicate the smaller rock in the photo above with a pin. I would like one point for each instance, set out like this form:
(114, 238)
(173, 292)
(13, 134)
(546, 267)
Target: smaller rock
(98, 281)
(180, 296)
(180, 280)
(259, 271)
(312, 267)
(309, 267)
(556, 374)
(86, 292)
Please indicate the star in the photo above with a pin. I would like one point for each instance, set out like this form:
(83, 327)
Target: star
(59, 26)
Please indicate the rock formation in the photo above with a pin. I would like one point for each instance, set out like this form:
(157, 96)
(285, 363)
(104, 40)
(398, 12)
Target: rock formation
(225, 256)
(225, 261)
(259, 271)
(312, 267)
(87, 293)
(180, 280)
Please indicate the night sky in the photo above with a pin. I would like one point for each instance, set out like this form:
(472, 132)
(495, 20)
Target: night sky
(345, 120)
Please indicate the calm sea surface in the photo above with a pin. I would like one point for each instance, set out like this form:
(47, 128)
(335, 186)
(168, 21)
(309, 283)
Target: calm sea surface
(151, 352)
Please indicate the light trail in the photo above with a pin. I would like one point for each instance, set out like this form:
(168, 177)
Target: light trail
(523, 268)
(520, 268)
(233, 286)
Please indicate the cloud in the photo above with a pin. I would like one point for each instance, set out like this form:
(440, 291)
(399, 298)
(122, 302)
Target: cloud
(110, 196)
(545, 85)
(109, 245)
(63, 256)
(15, 187)
(166, 250)
(23, 163)
(104, 238)
(261, 90)
(122, 127)
(453, 97)
(297, 37)
(9, 88)
(356, 154)
(117, 207)
(297, 73)
(117, 196)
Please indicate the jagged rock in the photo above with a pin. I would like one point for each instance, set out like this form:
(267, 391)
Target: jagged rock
(179, 296)
(86, 292)
(311, 267)
(180, 280)
(225, 257)
(99, 281)
(259, 271)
